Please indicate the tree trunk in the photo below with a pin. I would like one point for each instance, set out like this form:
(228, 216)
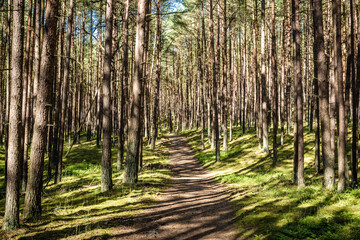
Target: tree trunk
(106, 161)
(134, 135)
(214, 78)
(298, 96)
(15, 155)
(264, 103)
(123, 83)
(32, 207)
(224, 78)
(274, 79)
(355, 101)
(65, 93)
(158, 75)
(336, 4)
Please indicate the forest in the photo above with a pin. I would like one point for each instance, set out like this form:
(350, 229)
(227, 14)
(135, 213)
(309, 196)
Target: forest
(179, 119)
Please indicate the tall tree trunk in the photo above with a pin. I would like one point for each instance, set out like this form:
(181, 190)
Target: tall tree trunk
(32, 207)
(64, 93)
(224, 78)
(134, 135)
(25, 102)
(15, 153)
(274, 79)
(336, 4)
(256, 74)
(298, 96)
(158, 75)
(322, 67)
(316, 91)
(214, 78)
(355, 101)
(106, 161)
(264, 100)
(123, 83)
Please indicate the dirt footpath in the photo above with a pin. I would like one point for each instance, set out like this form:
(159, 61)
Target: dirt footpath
(194, 206)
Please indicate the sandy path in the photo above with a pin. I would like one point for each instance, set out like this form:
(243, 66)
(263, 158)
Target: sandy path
(193, 207)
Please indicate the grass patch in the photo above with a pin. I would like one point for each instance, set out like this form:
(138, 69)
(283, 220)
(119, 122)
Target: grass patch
(268, 205)
(77, 209)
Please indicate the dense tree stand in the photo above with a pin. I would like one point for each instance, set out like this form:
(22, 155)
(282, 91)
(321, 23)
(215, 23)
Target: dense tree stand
(90, 89)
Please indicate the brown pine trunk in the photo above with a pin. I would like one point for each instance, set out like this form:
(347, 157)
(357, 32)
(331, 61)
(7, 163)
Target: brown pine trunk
(106, 161)
(15, 151)
(32, 207)
(336, 4)
(224, 78)
(316, 91)
(355, 101)
(157, 81)
(214, 80)
(134, 135)
(298, 96)
(274, 79)
(264, 101)
(65, 93)
(123, 84)
(25, 101)
(256, 75)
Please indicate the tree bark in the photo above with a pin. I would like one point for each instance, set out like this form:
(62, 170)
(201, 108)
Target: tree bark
(15, 155)
(134, 135)
(298, 96)
(32, 207)
(123, 83)
(264, 100)
(106, 161)
(64, 93)
(336, 4)
(274, 79)
(158, 75)
(214, 80)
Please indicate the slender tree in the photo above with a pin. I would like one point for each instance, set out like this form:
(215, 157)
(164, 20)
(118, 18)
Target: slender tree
(214, 81)
(264, 102)
(34, 188)
(336, 4)
(123, 83)
(134, 133)
(158, 75)
(106, 169)
(274, 79)
(298, 96)
(64, 92)
(14, 153)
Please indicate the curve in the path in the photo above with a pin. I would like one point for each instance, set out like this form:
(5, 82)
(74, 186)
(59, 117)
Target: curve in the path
(193, 207)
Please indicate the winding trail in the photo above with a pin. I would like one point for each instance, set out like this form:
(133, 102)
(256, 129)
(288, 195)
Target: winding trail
(194, 206)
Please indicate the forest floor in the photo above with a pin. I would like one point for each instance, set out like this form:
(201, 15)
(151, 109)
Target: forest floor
(76, 208)
(192, 205)
(267, 204)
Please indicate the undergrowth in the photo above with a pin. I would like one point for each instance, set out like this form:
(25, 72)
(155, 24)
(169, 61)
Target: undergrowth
(77, 209)
(268, 205)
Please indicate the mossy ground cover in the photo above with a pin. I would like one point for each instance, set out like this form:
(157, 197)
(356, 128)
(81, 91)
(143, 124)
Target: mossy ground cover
(76, 208)
(268, 205)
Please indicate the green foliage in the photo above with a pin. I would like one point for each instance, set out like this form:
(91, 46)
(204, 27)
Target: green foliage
(267, 204)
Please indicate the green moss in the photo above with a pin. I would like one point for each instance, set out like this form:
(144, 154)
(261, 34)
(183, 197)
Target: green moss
(268, 205)
(76, 208)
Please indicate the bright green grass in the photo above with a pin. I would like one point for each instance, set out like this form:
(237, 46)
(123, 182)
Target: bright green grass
(268, 205)
(76, 208)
